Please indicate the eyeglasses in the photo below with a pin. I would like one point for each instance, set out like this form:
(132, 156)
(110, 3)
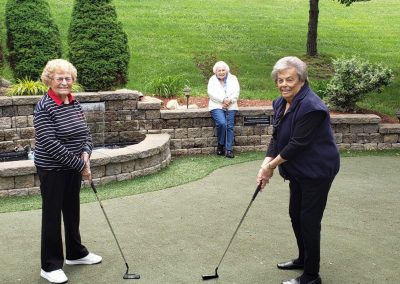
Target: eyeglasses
(61, 79)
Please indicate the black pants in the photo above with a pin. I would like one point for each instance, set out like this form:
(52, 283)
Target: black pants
(306, 208)
(60, 195)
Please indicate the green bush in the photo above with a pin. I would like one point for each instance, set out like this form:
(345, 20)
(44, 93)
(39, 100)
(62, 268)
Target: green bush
(168, 86)
(319, 87)
(98, 45)
(353, 79)
(1, 54)
(28, 87)
(205, 63)
(32, 37)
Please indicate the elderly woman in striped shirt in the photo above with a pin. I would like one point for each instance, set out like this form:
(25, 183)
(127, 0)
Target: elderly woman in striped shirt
(62, 149)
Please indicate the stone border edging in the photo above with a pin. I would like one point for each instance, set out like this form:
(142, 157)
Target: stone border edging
(151, 155)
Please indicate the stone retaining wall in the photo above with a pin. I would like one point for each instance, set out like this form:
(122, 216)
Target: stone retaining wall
(128, 115)
(192, 131)
(147, 157)
(126, 118)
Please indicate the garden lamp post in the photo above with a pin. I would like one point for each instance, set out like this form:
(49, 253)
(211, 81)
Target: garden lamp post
(186, 92)
(398, 114)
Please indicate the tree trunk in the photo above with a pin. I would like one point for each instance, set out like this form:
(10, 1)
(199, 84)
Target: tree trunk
(312, 28)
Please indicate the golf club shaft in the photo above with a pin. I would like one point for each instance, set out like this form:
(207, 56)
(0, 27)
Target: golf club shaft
(109, 224)
(240, 223)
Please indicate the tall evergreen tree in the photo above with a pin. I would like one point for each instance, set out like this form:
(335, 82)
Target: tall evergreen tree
(98, 45)
(32, 37)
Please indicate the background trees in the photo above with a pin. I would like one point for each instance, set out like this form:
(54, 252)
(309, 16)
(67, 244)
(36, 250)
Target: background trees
(313, 25)
(98, 45)
(32, 37)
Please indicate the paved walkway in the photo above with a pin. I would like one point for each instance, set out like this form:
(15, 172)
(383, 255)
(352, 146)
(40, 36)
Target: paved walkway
(176, 235)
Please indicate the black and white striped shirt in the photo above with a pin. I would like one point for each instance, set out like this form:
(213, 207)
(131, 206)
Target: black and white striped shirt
(61, 134)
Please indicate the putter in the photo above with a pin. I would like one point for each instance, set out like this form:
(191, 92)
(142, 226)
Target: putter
(215, 275)
(127, 275)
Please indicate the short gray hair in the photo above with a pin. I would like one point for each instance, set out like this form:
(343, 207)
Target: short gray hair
(220, 64)
(57, 65)
(289, 62)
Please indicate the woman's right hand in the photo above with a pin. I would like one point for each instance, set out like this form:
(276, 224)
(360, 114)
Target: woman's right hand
(86, 172)
(263, 176)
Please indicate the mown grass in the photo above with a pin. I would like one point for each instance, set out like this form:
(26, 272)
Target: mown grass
(175, 174)
(164, 36)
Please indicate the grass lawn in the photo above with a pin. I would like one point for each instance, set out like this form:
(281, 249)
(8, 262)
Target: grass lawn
(165, 37)
(180, 171)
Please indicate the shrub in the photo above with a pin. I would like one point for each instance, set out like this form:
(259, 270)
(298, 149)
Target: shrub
(98, 45)
(1, 54)
(319, 87)
(168, 86)
(205, 63)
(28, 87)
(32, 37)
(353, 79)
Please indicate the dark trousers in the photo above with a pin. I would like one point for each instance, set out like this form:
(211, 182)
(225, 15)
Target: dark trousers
(60, 196)
(306, 208)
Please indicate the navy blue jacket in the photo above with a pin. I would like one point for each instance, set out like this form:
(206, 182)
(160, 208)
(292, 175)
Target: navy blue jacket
(319, 159)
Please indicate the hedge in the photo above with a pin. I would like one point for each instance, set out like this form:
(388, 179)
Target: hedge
(98, 45)
(32, 37)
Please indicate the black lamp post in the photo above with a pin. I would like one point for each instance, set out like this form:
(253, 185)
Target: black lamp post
(398, 114)
(186, 92)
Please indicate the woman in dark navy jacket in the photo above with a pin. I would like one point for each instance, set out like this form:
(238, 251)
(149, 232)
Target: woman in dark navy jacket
(304, 149)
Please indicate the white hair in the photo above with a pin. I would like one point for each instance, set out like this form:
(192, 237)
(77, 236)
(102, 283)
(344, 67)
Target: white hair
(220, 64)
(57, 65)
(289, 62)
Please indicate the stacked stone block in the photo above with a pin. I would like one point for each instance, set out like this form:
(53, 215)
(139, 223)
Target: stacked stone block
(129, 116)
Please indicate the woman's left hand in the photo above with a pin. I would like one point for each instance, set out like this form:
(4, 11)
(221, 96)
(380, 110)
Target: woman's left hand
(226, 103)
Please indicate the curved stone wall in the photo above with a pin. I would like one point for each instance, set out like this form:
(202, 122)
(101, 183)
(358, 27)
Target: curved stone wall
(147, 157)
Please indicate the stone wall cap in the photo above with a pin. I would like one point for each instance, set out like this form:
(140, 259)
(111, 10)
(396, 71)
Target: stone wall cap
(5, 101)
(148, 103)
(205, 112)
(256, 110)
(355, 118)
(389, 128)
(17, 168)
(122, 94)
(151, 143)
(87, 97)
(185, 113)
(24, 100)
(18, 100)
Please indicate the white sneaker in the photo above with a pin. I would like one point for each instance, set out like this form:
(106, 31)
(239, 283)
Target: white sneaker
(91, 258)
(55, 276)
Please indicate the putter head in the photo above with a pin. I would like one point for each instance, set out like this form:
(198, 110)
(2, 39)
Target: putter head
(131, 276)
(208, 277)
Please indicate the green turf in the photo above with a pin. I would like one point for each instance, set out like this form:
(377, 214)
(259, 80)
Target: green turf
(164, 36)
(180, 171)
